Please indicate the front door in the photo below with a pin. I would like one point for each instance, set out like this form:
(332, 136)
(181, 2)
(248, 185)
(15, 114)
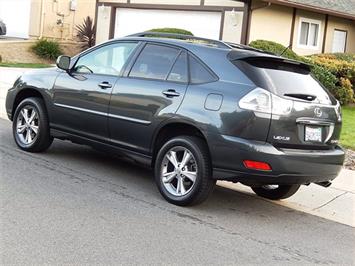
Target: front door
(149, 93)
(81, 98)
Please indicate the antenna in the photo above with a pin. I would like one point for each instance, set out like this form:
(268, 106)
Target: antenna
(285, 50)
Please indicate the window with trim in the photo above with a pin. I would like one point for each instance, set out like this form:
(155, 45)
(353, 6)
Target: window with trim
(107, 60)
(309, 32)
(154, 62)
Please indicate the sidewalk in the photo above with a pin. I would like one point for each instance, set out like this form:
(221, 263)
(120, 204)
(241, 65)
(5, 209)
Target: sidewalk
(335, 203)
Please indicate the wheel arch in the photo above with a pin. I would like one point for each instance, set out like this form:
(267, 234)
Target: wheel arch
(173, 129)
(26, 93)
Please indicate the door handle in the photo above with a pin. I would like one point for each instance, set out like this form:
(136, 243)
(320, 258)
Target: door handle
(105, 85)
(171, 93)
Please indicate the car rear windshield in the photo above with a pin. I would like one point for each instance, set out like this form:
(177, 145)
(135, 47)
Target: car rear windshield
(285, 79)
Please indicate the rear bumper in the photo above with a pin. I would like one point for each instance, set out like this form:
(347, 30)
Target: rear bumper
(289, 166)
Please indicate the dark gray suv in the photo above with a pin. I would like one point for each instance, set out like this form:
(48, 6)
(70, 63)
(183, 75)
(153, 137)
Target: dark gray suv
(196, 110)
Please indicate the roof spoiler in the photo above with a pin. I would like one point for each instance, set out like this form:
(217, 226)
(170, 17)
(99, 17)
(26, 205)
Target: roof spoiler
(258, 59)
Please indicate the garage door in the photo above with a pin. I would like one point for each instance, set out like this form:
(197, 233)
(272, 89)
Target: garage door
(200, 23)
(16, 16)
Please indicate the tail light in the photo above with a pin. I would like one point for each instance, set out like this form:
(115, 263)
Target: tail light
(260, 100)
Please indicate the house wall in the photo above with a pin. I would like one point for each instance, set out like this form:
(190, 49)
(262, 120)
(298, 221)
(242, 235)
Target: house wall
(308, 15)
(50, 17)
(271, 23)
(274, 23)
(341, 24)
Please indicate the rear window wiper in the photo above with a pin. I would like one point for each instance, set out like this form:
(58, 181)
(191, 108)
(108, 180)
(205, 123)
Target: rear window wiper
(306, 97)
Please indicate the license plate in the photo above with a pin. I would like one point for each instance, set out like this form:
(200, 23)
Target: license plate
(313, 134)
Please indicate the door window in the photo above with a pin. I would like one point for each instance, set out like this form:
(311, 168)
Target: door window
(107, 60)
(154, 62)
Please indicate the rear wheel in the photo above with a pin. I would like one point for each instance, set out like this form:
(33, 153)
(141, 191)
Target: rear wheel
(276, 192)
(183, 171)
(30, 126)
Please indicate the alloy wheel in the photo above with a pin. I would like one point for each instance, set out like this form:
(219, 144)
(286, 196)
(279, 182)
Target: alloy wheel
(179, 171)
(27, 125)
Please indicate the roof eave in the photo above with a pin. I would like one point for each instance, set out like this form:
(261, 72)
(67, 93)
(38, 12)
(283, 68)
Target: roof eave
(311, 8)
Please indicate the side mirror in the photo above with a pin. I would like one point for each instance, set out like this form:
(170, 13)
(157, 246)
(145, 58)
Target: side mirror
(63, 62)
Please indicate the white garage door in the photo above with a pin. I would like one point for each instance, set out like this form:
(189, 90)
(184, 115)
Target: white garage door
(16, 15)
(203, 24)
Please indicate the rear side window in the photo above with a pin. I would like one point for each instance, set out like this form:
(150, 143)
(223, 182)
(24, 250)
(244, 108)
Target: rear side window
(283, 78)
(179, 71)
(154, 62)
(199, 73)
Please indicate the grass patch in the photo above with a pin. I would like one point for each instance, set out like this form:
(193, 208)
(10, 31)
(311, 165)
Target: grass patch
(24, 65)
(347, 138)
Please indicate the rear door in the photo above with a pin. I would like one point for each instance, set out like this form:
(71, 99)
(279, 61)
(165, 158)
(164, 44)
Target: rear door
(150, 92)
(313, 118)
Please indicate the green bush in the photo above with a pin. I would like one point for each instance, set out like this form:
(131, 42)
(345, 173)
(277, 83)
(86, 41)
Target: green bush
(172, 30)
(46, 49)
(344, 93)
(274, 48)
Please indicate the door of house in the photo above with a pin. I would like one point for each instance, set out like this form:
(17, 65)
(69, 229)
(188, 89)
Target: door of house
(339, 41)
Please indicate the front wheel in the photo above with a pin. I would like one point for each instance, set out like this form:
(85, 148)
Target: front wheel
(30, 126)
(276, 192)
(183, 171)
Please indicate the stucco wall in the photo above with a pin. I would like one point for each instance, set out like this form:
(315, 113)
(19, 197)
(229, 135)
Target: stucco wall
(308, 15)
(341, 24)
(49, 14)
(271, 23)
(274, 23)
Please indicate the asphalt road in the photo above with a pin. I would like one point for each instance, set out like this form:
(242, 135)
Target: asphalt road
(73, 205)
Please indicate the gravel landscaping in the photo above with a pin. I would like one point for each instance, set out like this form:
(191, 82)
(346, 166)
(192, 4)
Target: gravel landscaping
(350, 160)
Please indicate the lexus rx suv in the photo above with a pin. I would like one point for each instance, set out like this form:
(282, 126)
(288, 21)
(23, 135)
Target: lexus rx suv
(195, 110)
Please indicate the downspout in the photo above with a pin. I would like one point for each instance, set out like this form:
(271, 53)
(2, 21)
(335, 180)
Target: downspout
(42, 20)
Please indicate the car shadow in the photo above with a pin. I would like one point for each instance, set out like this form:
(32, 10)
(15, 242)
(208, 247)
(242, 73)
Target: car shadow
(139, 181)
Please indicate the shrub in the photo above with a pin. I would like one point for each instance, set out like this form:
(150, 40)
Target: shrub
(172, 30)
(86, 33)
(344, 93)
(274, 48)
(47, 49)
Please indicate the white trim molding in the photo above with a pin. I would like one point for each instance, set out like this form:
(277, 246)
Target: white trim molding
(319, 33)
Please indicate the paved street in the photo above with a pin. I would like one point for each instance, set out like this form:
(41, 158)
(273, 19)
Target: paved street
(77, 206)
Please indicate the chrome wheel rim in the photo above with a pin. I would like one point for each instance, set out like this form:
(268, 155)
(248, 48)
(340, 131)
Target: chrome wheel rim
(178, 171)
(27, 125)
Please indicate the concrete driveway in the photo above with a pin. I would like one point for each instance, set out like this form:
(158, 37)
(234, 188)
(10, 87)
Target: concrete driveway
(73, 205)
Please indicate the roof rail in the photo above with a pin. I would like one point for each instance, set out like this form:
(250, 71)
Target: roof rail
(219, 44)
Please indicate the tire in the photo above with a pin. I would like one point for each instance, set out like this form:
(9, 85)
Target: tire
(276, 193)
(198, 168)
(24, 133)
